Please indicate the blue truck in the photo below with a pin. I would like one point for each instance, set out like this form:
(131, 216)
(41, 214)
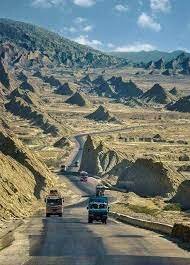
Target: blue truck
(98, 209)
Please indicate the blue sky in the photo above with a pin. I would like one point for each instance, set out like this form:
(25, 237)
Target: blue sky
(119, 25)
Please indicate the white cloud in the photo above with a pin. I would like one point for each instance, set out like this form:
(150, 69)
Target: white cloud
(87, 28)
(84, 3)
(46, 3)
(110, 45)
(145, 21)
(79, 20)
(82, 25)
(135, 47)
(160, 5)
(70, 29)
(121, 8)
(84, 40)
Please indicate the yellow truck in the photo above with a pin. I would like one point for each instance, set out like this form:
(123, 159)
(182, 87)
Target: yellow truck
(54, 204)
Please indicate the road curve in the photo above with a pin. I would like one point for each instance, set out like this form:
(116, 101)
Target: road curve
(72, 241)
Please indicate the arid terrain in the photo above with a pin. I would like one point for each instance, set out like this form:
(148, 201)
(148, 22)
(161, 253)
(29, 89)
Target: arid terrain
(136, 127)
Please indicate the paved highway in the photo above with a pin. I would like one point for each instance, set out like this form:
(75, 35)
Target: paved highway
(72, 241)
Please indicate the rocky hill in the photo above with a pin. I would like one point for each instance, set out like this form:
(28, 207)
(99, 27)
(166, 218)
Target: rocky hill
(24, 179)
(147, 56)
(101, 114)
(4, 78)
(181, 105)
(182, 195)
(40, 44)
(115, 87)
(147, 177)
(134, 102)
(104, 90)
(26, 86)
(127, 89)
(21, 76)
(20, 107)
(64, 89)
(52, 81)
(64, 141)
(78, 99)
(174, 91)
(97, 159)
(157, 94)
(86, 80)
(98, 80)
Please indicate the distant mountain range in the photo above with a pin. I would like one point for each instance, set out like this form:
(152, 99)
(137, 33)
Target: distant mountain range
(145, 57)
(52, 48)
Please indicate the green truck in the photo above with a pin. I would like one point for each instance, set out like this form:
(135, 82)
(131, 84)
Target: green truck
(98, 209)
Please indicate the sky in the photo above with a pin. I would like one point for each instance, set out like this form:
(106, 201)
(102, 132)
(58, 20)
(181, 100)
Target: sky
(109, 25)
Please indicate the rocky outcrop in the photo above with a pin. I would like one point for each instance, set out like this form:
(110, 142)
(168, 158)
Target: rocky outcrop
(4, 77)
(96, 159)
(24, 179)
(29, 97)
(64, 141)
(147, 177)
(21, 76)
(27, 86)
(182, 195)
(101, 114)
(174, 91)
(127, 89)
(37, 46)
(98, 81)
(184, 157)
(181, 231)
(64, 89)
(157, 94)
(104, 90)
(38, 74)
(185, 66)
(134, 102)
(159, 64)
(78, 99)
(149, 65)
(114, 80)
(181, 105)
(86, 80)
(21, 108)
(166, 72)
(52, 81)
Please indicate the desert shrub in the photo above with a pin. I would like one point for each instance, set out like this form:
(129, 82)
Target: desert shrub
(172, 207)
(143, 209)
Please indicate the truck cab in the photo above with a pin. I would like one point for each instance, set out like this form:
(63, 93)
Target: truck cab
(54, 204)
(98, 209)
(100, 189)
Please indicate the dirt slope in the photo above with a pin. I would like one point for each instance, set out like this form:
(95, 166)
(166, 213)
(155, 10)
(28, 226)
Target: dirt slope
(24, 179)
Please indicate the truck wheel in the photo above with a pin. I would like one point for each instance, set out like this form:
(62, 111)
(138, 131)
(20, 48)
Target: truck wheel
(104, 221)
(90, 221)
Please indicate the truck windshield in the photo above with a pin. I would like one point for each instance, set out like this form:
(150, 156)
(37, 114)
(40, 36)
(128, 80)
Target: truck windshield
(98, 206)
(54, 201)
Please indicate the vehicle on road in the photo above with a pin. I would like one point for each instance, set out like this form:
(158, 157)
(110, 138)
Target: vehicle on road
(54, 203)
(98, 209)
(84, 178)
(63, 168)
(76, 164)
(100, 189)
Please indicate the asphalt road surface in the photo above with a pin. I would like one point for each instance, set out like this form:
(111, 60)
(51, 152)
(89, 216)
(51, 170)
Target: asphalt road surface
(70, 240)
